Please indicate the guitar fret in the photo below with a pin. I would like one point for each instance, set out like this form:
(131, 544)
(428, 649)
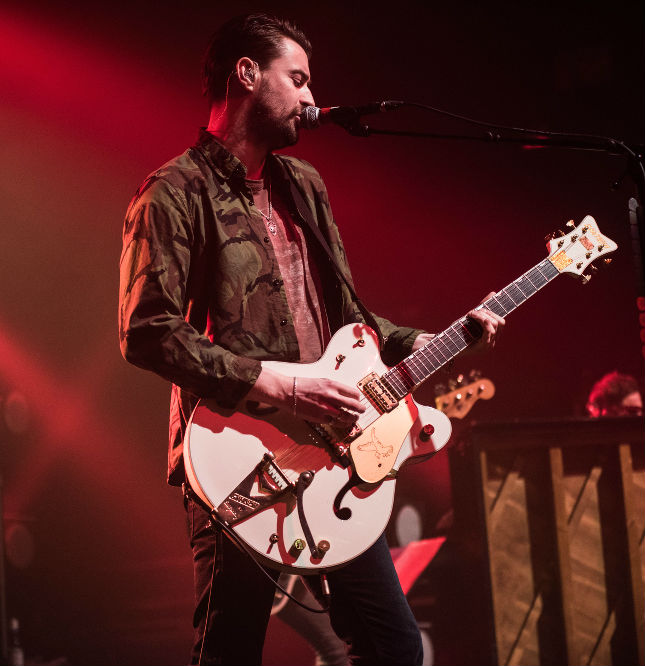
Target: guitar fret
(394, 381)
(495, 306)
(524, 284)
(515, 294)
(412, 373)
(417, 367)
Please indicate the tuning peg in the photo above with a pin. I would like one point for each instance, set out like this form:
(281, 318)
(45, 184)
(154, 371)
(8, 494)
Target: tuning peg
(607, 260)
(593, 269)
(585, 279)
(549, 237)
(570, 224)
(460, 380)
(560, 232)
(452, 384)
(474, 375)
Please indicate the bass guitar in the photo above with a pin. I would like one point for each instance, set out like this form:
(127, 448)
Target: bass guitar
(308, 497)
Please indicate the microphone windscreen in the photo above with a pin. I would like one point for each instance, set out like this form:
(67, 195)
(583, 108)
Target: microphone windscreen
(310, 117)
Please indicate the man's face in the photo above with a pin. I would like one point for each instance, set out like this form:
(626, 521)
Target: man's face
(283, 92)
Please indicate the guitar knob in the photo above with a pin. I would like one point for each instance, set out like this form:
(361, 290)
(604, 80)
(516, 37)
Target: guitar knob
(323, 546)
(298, 545)
(426, 432)
(274, 538)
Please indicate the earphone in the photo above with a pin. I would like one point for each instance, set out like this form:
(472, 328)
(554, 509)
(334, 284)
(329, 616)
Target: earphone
(249, 75)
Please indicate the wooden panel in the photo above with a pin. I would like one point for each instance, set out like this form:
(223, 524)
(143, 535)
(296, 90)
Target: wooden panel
(550, 515)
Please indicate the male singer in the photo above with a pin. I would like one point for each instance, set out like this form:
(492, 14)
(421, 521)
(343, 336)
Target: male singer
(219, 273)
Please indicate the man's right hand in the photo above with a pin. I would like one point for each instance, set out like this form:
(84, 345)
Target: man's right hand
(318, 400)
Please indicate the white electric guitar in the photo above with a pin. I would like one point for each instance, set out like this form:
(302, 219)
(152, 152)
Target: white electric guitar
(307, 496)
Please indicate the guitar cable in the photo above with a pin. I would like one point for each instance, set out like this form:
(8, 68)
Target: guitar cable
(216, 523)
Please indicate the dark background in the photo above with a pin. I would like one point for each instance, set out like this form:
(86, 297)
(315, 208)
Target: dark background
(94, 97)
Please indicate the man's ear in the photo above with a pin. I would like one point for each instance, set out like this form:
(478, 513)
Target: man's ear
(247, 71)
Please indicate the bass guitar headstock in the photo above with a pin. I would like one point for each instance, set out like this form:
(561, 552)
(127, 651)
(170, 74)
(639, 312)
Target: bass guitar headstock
(457, 402)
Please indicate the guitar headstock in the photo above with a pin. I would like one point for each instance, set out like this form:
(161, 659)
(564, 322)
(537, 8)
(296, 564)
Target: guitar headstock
(573, 252)
(458, 402)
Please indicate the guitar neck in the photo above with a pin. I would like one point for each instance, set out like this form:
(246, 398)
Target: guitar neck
(417, 367)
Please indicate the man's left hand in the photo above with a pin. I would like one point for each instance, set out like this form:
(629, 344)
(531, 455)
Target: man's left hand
(491, 325)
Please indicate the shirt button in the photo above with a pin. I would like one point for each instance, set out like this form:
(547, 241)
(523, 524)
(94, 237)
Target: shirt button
(283, 322)
(277, 282)
(266, 239)
(251, 202)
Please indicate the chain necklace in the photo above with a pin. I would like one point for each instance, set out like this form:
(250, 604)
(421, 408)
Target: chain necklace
(271, 225)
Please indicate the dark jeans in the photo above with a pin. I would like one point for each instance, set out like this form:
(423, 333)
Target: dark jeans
(368, 607)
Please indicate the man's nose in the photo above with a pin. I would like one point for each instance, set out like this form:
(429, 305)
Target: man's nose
(307, 99)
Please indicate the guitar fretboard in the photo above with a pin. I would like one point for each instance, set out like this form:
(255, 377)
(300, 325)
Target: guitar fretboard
(417, 367)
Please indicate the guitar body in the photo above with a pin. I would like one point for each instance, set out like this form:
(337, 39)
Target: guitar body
(346, 507)
(307, 497)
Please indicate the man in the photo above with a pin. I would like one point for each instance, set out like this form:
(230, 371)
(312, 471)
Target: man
(615, 394)
(219, 272)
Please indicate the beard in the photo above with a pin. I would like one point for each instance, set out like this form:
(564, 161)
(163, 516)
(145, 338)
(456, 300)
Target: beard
(269, 125)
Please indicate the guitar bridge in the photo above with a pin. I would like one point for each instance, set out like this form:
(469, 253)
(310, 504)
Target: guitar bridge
(241, 503)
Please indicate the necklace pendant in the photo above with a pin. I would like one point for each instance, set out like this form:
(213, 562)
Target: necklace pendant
(272, 227)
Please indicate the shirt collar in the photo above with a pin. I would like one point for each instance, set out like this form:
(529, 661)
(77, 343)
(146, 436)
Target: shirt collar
(220, 159)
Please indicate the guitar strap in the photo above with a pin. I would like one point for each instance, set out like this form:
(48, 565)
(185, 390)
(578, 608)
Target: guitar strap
(305, 213)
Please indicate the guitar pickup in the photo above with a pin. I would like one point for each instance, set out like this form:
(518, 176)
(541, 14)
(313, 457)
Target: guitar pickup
(378, 393)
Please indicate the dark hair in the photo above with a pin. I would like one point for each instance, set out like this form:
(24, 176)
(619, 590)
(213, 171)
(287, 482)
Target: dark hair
(609, 391)
(256, 36)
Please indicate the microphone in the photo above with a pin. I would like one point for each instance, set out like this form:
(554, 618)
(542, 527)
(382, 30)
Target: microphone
(313, 117)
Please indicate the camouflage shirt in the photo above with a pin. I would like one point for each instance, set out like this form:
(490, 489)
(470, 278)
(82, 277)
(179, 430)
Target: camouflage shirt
(202, 300)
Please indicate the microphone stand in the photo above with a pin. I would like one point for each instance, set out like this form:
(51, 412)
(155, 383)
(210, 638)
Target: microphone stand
(536, 139)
